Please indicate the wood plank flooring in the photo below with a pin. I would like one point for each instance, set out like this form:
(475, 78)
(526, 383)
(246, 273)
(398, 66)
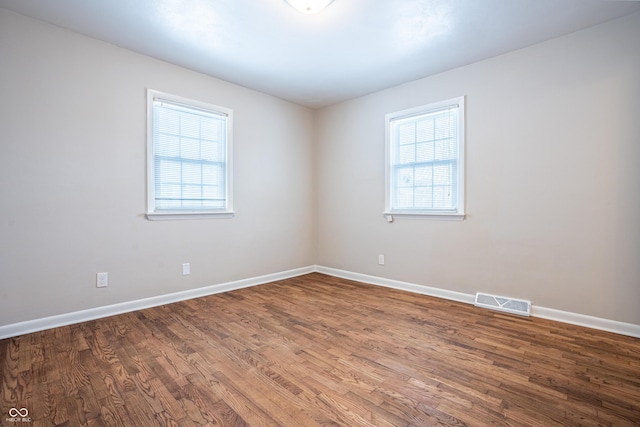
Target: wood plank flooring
(320, 351)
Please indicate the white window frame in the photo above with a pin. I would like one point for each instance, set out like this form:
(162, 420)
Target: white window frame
(155, 214)
(390, 212)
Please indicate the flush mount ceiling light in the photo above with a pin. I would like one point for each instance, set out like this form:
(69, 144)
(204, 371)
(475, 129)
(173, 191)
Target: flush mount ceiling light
(309, 6)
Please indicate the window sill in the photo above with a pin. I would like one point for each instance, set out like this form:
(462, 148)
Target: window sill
(454, 216)
(168, 216)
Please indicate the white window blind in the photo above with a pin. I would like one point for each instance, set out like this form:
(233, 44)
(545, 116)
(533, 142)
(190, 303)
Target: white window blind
(425, 157)
(189, 157)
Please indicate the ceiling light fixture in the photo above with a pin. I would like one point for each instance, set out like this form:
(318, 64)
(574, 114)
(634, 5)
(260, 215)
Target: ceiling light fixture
(309, 6)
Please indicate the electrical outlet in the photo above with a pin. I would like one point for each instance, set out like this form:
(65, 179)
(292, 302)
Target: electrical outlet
(102, 280)
(186, 269)
(380, 259)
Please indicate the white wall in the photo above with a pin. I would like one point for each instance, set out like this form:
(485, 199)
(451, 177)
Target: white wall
(553, 197)
(72, 174)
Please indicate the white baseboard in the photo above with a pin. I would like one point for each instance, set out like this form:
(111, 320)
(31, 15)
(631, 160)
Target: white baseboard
(42, 324)
(15, 329)
(395, 284)
(536, 311)
(589, 321)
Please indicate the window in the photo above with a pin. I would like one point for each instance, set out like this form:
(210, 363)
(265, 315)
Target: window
(188, 158)
(425, 161)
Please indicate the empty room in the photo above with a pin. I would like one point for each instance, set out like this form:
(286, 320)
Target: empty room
(319, 213)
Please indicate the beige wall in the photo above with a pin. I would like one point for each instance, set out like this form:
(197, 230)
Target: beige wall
(553, 197)
(553, 142)
(72, 174)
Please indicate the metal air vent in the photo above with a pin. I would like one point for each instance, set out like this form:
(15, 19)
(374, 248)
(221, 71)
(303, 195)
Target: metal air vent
(509, 305)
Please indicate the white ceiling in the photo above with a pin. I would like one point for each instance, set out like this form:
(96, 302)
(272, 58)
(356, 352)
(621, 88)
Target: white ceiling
(352, 48)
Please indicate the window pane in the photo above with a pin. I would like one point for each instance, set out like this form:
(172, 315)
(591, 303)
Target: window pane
(190, 125)
(406, 133)
(211, 130)
(407, 154)
(442, 197)
(424, 150)
(425, 131)
(191, 174)
(168, 196)
(168, 121)
(424, 197)
(405, 177)
(442, 175)
(444, 126)
(169, 169)
(213, 196)
(445, 149)
(191, 192)
(212, 174)
(424, 176)
(189, 148)
(211, 151)
(405, 198)
(168, 145)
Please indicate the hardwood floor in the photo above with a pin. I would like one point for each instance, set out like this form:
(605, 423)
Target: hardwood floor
(320, 351)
